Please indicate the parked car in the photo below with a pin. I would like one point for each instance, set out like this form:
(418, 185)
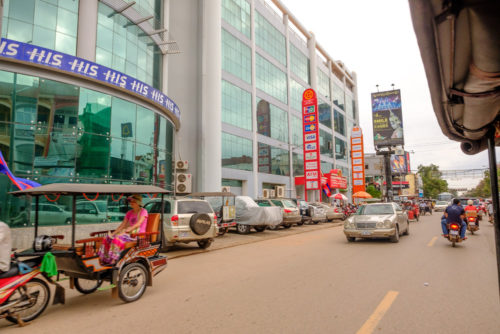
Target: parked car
(48, 214)
(291, 214)
(186, 220)
(304, 209)
(223, 204)
(317, 213)
(249, 214)
(332, 212)
(96, 212)
(380, 220)
(441, 206)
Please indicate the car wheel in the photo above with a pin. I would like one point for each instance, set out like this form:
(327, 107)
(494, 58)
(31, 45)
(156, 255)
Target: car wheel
(395, 237)
(273, 227)
(68, 221)
(243, 229)
(300, 224)
(205, 243)
(222, 231)
(287, 225)
(260, 228)
(407, 232)
(351, 239)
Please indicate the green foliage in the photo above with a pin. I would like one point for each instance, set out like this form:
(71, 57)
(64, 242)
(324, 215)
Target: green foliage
(373, 191)
(483, 189)
(433, 182)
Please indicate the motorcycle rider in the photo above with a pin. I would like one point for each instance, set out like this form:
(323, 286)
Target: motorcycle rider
(5, 247)
(454, 213)
(470, 207)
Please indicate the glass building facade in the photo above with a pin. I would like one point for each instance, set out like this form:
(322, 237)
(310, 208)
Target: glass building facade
(282, 65)
(58, 128)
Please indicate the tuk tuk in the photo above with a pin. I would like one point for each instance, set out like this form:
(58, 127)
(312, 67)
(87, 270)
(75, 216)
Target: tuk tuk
(138, 263)
(223, 204)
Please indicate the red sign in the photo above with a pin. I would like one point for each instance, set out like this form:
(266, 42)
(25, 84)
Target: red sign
(310, 132)
(357, 160)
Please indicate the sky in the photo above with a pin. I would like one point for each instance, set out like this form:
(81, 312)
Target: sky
(376, 40)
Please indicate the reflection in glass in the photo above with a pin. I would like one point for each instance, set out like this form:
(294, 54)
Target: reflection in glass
(122, 159)
(94, 112)
(298, 164)
(325, 114)
(236, 152)
(272, 121)
(326, 143)
(273, 160)
(123, 119)
(92, 160)
(339, 123)
(340, 149)
(144, 162)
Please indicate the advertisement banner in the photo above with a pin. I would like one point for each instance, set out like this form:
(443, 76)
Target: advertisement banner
(357, 160)
(408, 162)
(387, 118)
(398, 164)
(310, 135)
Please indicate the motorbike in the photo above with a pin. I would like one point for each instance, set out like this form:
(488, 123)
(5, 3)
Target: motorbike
(472, 221)
(24, 296)
(454, 233)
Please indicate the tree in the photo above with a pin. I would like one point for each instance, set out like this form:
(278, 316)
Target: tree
(433, 181)
(373, 191)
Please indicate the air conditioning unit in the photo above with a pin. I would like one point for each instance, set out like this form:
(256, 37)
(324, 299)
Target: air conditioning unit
(266, 193)
(181, 165)
(280, 191)
(183, 183)
(226, 189)
(272, 193)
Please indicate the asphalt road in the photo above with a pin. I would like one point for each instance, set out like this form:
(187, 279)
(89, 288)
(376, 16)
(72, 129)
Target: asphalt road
(313, 282)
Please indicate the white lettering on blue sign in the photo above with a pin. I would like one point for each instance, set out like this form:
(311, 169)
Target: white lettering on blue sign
(61, 61)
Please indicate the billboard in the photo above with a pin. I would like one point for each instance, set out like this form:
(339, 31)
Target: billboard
(357, 160)
(387, 118)
(398, 164)
(310, 132)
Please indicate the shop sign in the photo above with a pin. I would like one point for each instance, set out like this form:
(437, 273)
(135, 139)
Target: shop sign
(357, 160)
(311, 140)
(63, 62)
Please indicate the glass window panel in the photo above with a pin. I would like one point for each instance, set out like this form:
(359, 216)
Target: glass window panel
(67, 22)
(269, 38)
(297, 136)
(236, 106)
(103, 57)
(339, 123)
(271, 79)
(236, 152)
(338, 96)
(326, 167)
(143, 163)
(325, 114)
(272, 121)
(46, 15)
(22, 10)
(121, 159)
(298, 164)
(123, 119)
(326, 143)
(20, 31)
(296, 91)
(71, 5)
(323, 84)
(237, 14)
(162, 136)
(170, 137)
(105, 38)
(273, 160)
(65, 43)
(299, 63)
(340, 149)
(236, 57)
(92, 157)
(349, 107)
(94, 112)
(44, 37)
(146, 126)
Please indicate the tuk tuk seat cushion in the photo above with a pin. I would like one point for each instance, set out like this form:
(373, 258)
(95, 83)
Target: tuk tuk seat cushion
(151, 227)
(78, 248)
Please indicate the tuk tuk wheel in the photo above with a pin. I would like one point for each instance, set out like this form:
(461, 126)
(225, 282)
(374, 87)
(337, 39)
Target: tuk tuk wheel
(132, 282)
(87, 286)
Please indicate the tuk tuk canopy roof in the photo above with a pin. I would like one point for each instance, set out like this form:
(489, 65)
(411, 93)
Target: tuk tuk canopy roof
(85, 188)
(212, 194)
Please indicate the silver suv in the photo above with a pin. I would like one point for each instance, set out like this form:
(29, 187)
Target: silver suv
(186, 220)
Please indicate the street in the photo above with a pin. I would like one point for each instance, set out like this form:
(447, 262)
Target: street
(313, 282)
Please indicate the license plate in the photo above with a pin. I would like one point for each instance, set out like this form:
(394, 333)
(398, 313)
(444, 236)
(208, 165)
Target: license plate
(366, 233)
(184, 234)
(453, 232)
(472, 224)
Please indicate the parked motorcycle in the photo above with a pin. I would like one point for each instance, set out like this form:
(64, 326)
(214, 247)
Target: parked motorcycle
(454, 233)
(24, 296)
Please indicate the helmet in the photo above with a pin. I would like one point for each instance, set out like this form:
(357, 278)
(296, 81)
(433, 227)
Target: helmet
(470, 202)
(42, 243)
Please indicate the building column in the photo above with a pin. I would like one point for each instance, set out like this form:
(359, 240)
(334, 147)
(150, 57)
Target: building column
(210, 122)
(255, 145)
(87, 29)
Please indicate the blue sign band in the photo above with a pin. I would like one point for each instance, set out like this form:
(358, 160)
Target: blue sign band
(41, 56)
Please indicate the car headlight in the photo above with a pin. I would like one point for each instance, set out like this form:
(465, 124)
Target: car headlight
(349, 224)
(387, 223)
(380, 224)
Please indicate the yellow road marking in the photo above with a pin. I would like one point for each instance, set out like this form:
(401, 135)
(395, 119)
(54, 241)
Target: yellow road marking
(431, 243)
(379, 312)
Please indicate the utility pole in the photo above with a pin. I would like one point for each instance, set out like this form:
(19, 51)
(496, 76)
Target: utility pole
(388, 172)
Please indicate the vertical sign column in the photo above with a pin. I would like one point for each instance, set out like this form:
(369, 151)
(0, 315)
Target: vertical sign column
(310, 133)
(357, 160)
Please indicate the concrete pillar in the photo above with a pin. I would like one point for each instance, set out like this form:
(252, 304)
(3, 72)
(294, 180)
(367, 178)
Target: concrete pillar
(87, 29)
(255, 173)
(210, 122)
(293, 192)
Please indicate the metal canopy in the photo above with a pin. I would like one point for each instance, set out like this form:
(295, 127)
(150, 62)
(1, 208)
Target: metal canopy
(80, 188)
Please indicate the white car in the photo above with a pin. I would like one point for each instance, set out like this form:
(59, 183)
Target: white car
(441, 206)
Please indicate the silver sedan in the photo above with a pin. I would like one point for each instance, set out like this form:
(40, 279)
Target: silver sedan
(381, 220)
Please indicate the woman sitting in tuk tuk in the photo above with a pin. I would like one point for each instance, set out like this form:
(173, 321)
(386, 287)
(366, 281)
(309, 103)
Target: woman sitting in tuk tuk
(134, 222)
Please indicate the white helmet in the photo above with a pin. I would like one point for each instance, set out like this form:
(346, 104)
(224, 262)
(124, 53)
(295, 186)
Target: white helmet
(470, 202)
